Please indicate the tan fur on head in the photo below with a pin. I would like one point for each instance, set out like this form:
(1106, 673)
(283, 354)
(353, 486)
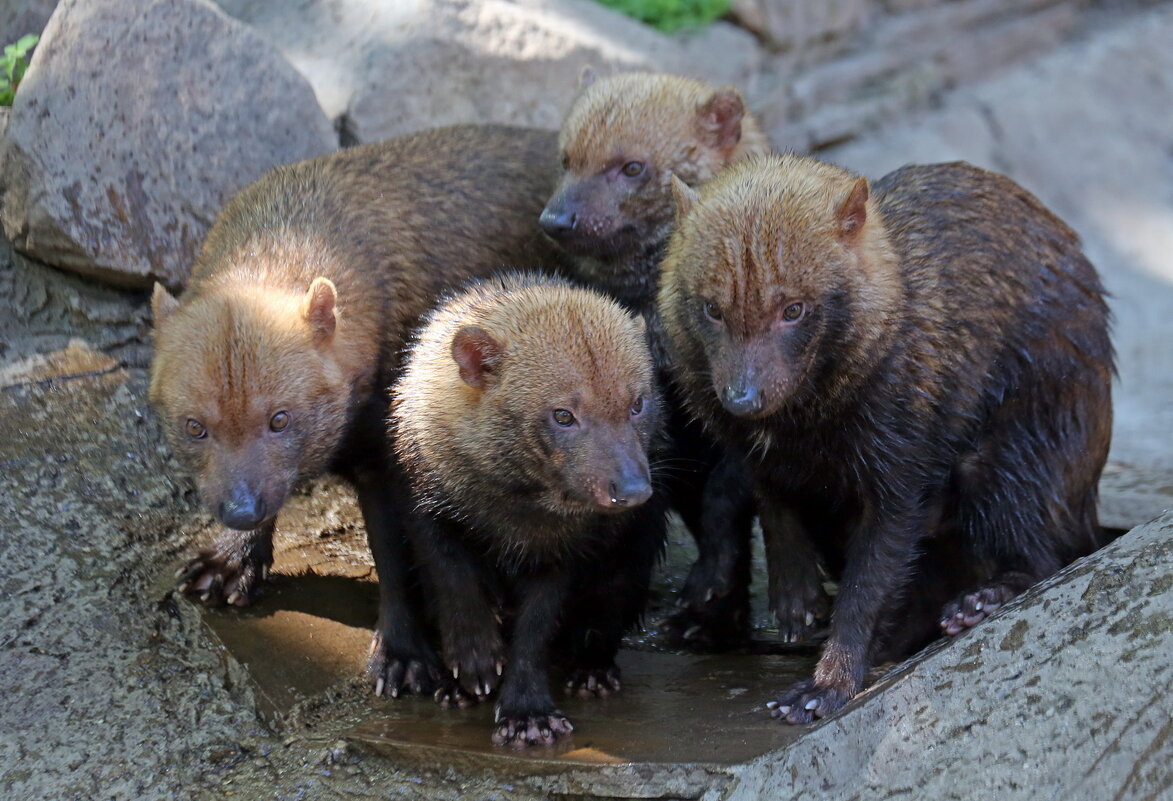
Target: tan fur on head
(661, 118)
(766, 234)
(230, 361)
(476, 397)
(623, 140)
(790, 220)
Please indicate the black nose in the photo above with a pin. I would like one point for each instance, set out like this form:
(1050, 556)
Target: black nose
(743, 400)
(243, 510)
(557, 223)
(631, 490)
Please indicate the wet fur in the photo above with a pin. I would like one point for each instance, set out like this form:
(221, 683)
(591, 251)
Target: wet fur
(505, 531)
(674, 125)
(685, 128)
(939, 418)
(390, 226)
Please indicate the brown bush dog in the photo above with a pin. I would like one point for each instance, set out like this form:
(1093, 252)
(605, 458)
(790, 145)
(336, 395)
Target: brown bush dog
(622, 140)
(273, 367)
(922, 370)
(524, 419)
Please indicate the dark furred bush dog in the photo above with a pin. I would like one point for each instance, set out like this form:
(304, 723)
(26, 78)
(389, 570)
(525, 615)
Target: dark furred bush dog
(623, 139)
(273, 367)
(922, 370)
(524, 419)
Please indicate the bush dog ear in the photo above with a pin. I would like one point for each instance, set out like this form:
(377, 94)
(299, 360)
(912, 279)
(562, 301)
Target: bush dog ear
(853, 211)
(318, 309)
(162, 304)
(477, 354)
(684, 196)
(719, 119)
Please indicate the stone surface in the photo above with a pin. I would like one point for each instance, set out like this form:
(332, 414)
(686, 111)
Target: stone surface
(823, 93)
(170, 107)
(1077, 128)
(389, 69)
(794, 23)
(1066, 693)
(45, 310)
(18, 17)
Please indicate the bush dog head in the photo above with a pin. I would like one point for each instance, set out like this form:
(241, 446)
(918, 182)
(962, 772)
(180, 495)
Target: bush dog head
(758, 300)
(528, 391)
(251, 392)
(621, 142)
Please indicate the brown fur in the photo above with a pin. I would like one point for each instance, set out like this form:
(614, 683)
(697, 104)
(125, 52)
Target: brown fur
(617, 226)
(936, 414)
(561, 347)
(302, 300)
(669, 124)
(391, 225)
(519, 511)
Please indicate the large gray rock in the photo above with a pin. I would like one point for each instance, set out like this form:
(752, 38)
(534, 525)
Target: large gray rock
(795, 23)
(18, 17)
(1087, 129)
(850, 67)
(393, 68)
(1063, 695)
(135, 122)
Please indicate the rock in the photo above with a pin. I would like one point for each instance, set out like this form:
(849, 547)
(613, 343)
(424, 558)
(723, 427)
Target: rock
(1077, 128)
(77, 359)
(1063, 694)
(43, 310)
(795, 23)
(395, 68)
(844, 82)
(18, 17)
(170, 107)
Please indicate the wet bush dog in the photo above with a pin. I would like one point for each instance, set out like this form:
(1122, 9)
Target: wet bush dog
(622, 140)
(524, 419)
(922, 371)
(273, 367)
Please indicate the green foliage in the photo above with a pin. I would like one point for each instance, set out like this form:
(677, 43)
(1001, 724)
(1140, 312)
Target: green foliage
(12, 66)
(671, 15)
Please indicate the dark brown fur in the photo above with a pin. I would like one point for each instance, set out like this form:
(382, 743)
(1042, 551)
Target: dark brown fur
(301, 301)
(617, 226)
(520, 512)
(932, 419)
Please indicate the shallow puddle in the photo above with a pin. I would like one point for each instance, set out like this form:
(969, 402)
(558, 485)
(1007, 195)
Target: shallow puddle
(311, 632)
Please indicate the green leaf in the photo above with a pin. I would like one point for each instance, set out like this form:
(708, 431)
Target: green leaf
(671, 15)
(13, 65)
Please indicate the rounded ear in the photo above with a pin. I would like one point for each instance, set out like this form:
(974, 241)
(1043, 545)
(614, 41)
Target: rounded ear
(641, 323)
(477, 354)
(719, 119)
(587, 77)
(684, 196)
(318, 309)
(853, 211)
(162, 304)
